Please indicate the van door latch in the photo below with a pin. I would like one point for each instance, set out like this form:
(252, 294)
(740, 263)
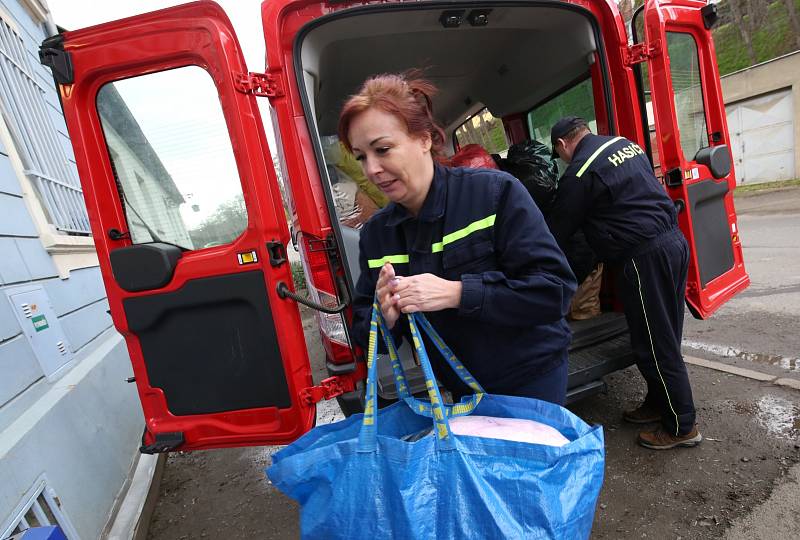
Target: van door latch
(258, 84)
(639, 52)
(334, 386)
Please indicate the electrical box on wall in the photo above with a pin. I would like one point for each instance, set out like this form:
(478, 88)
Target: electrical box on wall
(41, 327)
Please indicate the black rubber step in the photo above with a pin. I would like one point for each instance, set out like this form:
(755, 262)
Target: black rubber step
(579, 392)
(601, 328)
(592, 363)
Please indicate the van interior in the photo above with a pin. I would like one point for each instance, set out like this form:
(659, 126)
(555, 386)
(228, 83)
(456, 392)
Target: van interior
(504, 74)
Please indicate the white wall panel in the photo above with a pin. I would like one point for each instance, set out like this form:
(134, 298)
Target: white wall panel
(762, 137)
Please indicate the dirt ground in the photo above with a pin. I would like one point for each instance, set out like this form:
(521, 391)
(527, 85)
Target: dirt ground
(751, 429)
(751, 439)
(751, 432)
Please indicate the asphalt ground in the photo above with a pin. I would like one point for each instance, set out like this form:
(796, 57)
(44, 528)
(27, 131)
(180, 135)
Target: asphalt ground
(741, 482)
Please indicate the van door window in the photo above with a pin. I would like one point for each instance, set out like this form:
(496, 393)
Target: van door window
(486, 130)
(688, 92)
(576, 101)
(172, 159)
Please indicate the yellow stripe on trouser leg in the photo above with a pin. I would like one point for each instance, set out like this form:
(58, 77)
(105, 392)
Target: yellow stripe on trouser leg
(653, 348)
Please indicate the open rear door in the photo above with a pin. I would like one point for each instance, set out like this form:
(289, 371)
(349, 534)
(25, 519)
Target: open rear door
(189, 225)
(693, 146)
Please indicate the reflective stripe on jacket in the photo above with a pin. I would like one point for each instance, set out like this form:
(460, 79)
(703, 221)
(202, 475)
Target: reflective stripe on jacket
(610, 191)
(481, 227)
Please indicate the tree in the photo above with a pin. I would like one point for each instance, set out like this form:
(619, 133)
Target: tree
(791, 9)
(223, 226)
(737, 7)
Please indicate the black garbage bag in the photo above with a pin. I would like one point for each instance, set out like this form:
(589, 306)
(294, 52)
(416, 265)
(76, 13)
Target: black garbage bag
(532, 163)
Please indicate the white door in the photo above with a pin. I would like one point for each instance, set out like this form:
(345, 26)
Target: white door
(762, 137)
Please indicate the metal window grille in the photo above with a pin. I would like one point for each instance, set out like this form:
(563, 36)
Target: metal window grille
(44, 159)
(41, 508)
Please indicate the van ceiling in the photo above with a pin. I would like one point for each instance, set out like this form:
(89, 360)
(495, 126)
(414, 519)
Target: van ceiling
(522, 56)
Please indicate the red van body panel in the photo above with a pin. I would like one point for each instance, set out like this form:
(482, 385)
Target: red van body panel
(708, 219)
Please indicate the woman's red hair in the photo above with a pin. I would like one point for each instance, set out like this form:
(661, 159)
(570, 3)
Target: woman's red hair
(407, 96)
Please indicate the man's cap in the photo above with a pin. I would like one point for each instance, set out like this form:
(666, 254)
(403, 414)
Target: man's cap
(564, 126)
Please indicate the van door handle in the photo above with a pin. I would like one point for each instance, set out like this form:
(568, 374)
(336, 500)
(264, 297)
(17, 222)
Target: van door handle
(284, 292)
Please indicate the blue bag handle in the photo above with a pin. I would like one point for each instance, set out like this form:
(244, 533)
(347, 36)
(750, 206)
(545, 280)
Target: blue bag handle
(467, 403)
(433, 408)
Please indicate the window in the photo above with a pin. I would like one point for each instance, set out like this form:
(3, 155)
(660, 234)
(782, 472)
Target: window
(43, 158)
(485, 130)
(576, 101)
(688, 92)
(172, 159)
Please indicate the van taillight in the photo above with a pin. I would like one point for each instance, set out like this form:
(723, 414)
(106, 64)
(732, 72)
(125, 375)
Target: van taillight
(319, 281)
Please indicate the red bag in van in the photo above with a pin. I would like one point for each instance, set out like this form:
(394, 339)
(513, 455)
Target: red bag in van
(473, 156)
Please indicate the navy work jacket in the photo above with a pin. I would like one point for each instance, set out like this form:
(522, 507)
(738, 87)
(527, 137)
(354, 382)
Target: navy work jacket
(610, 191)
(479, 226)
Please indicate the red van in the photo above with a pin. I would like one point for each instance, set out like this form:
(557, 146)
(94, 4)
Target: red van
(187, 208)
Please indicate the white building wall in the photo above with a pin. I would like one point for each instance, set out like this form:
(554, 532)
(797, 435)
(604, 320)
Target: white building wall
(78, 429)
(763, 104)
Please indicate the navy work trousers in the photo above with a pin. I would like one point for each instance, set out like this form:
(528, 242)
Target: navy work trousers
(652, 284)
(548, 386)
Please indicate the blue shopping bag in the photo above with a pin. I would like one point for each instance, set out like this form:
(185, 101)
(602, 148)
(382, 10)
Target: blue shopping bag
(360, 478)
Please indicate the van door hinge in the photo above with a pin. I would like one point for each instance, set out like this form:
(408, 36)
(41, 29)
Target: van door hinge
(53, 55)
(163, 442)
(334, 386)
(259, 84)
(638, 53)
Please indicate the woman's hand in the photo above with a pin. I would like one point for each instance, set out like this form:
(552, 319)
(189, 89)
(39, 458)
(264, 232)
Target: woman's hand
(385, 293)
(425, 292)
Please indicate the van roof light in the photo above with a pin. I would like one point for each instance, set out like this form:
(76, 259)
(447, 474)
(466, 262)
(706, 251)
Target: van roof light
(479, 17)
(452, 18)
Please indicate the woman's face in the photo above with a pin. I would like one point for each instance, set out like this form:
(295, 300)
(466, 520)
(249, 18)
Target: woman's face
(399, 164)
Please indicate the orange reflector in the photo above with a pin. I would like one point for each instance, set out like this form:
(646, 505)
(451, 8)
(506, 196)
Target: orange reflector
(735, 238)
(249, 257)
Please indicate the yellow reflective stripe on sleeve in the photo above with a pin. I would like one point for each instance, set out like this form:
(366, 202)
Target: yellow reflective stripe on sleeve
(401, 258)
(594, 156)
(481, 224)
(394, 259)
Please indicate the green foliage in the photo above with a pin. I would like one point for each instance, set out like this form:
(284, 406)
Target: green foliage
(223, 226)
(577, 101)
(489, 132)
(774, 38)
(298, 276)
(731, 51)
(763, 186)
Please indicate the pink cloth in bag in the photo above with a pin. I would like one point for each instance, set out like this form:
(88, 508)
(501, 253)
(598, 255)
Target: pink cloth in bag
(508, 429)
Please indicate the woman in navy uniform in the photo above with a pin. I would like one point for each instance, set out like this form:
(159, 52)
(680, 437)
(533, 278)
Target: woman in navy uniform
(466, 246)
(610, 192)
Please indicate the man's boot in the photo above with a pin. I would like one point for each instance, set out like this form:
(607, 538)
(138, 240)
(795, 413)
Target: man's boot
(661, 440)
(643, 414)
